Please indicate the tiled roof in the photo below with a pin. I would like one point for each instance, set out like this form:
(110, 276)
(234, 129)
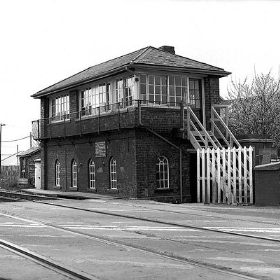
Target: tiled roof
(148, 56)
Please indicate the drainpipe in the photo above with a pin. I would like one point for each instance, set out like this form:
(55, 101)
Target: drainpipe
(173, 145)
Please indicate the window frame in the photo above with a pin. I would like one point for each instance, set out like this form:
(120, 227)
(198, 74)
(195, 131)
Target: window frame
(113, 174)
(91, 175)
(162, 173)
(57, 173)
(60, 108)
(74, 174)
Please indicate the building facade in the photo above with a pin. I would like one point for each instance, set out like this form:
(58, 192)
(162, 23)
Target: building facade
(124, 127)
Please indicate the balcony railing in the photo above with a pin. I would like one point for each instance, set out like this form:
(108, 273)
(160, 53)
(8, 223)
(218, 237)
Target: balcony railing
(126, 114)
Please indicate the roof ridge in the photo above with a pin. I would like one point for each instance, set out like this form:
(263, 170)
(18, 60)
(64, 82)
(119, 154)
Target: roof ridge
(140, 54)
(92, 67)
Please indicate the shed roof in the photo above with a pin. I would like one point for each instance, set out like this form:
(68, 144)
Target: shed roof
(29, 152)
(149, 56)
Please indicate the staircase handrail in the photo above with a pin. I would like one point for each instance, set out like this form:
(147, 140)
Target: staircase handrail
(206, 134)
(220, 133)
(225, 127)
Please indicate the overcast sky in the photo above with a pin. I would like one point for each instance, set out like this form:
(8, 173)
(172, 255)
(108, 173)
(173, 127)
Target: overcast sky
(43, 42)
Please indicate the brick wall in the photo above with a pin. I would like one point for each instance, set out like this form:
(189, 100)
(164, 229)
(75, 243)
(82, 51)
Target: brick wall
(212, 96)
(148, 148)
(120, 145)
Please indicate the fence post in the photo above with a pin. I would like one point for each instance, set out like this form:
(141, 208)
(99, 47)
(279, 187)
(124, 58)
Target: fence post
(240, 174)
(245, 175)
(214, 180)
(229, 176)
(234, 173)
(198, 175)
(203, 175)
(224, 174)
(251, 173)
(219, 174)
(208, 176)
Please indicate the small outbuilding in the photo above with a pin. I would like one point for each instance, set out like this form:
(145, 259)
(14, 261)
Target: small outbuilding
(267, 184)
(27, 161)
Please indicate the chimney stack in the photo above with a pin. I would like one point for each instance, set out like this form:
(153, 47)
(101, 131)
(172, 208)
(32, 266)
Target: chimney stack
(169, 49)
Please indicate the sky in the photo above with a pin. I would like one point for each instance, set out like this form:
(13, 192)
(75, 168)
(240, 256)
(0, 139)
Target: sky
(43, 42)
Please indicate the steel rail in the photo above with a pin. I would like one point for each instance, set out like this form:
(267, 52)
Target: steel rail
(115, 242)
(46, 262)
(163, 222)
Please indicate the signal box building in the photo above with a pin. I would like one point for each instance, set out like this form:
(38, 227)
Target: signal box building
(130, 126)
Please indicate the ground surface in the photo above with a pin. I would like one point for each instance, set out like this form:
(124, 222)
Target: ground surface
(192, 241)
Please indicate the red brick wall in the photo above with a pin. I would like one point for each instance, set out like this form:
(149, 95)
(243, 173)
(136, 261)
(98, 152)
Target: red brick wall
(148, 148)
(119, 145)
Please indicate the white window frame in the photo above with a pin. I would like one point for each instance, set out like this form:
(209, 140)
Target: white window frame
(74, 174)
(91, 172)
(113, 173)
(162, 170)
(57, 173)
(60, 108)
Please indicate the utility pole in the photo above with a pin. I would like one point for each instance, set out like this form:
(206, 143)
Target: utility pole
(1, 124)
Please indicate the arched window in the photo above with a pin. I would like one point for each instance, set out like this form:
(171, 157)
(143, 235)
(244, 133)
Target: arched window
(91, 172)
(113, 173)
(162, 173)
(57, 173)
(74, 174)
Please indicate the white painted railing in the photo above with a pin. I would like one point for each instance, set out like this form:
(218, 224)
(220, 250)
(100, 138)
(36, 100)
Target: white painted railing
(225, 175)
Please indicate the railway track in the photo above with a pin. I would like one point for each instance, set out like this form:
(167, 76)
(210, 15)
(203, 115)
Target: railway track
(46, 262)
(165, 222)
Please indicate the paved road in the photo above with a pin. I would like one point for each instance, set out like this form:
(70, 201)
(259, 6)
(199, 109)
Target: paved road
(126, 245)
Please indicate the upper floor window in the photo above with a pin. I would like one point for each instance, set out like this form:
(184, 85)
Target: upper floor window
(57, 173)
(74, 174)
(60, 108)
(195, 93)
(113, 173)
(163, 89)
(91, 171)
(125, 91)
(162, 173)
(95, 98)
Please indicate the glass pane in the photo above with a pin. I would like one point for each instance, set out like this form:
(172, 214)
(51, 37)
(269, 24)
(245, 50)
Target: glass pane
(164, 80)
(157, 96)
(197, 105)
(157, 80)
(171, 80)
(178, 81)
(191, 84)
(171, 91)
(151, 98)
(151, 80)
(151, 89)
(178, 91)
(157, 89)
(142, 89)
(164, 90)
(143, 79)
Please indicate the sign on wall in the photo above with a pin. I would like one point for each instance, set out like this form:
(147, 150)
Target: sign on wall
(100, 149)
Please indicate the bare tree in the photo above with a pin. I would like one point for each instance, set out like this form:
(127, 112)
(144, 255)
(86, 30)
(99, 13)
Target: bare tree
(255, 107)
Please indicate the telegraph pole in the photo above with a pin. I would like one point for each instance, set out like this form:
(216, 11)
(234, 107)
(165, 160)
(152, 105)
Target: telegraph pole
(1, 124)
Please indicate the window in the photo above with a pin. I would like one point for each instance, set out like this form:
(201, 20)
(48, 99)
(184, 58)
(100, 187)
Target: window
(195, 93)
(91, 171)
(74, 174)
(162, 173)
(113, 173)
(163, 89)
(60, 108)
(125, 91)
(157, 89)
(57, 173)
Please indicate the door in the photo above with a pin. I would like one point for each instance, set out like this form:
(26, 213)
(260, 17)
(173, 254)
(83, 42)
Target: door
(38, 174)
(195, 97)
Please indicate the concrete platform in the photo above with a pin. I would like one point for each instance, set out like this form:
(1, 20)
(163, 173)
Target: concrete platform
(69, 195)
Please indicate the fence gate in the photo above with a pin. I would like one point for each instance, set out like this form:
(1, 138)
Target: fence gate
(225, 175)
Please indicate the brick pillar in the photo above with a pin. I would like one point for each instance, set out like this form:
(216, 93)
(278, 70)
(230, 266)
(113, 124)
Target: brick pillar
(212, 96)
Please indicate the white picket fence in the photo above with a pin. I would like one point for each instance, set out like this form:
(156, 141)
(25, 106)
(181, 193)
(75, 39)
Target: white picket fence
(225, 175)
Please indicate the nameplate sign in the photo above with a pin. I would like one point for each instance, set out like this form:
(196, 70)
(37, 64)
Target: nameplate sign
(100, 149)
